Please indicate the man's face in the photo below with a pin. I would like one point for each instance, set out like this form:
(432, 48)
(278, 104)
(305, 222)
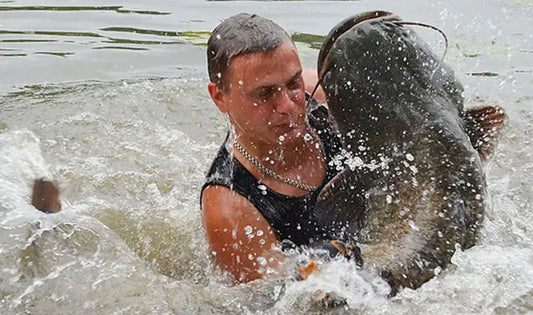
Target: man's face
(265, 97)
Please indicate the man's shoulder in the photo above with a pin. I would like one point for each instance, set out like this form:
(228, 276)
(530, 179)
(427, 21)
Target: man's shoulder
(221, 168)
(226, 171)
(222, 206)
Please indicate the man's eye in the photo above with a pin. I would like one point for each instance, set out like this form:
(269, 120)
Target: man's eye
(293, 85)
(266, 94)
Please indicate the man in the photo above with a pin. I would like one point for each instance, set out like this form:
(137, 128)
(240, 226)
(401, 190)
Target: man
(262, 186)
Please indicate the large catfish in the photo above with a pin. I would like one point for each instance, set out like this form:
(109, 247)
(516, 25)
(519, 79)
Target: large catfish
(413, 189)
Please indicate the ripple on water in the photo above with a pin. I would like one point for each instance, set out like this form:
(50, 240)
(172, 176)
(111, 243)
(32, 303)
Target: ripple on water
(130, 157)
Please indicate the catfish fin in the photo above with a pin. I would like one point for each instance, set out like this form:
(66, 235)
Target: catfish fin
(484, 126)
(340, 204)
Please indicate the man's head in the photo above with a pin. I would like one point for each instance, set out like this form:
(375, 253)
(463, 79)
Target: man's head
(238, 35)
(256, 79)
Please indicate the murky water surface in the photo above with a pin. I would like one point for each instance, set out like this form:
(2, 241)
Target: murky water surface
(110, 101)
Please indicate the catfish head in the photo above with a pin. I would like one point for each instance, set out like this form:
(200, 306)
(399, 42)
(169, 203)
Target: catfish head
(375, 70)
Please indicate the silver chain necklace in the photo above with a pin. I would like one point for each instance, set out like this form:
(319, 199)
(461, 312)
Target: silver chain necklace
(271, 173)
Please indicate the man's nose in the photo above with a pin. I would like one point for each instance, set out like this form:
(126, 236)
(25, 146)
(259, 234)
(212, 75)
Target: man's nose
(285, 102)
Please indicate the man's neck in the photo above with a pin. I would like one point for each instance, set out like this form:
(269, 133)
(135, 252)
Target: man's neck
(281, 156)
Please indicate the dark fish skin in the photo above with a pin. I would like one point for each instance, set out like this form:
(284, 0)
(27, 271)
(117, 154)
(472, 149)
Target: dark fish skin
(416, 190)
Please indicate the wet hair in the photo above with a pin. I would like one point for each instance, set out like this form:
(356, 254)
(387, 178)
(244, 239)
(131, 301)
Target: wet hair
(240, 34)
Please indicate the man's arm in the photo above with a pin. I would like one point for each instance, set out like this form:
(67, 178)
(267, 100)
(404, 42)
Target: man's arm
(242, 241)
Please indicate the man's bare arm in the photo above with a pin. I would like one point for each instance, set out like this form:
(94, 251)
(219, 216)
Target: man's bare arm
(242, 241)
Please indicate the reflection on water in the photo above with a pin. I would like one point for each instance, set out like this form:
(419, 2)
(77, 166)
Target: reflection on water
(117, 9)
(97, 41)
(63, 36)
(483, 74)
(111, 102)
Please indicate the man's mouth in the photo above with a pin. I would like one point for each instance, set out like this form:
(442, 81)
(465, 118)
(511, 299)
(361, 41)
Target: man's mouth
(289, 124)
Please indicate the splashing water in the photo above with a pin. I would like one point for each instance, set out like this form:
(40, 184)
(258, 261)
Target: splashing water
(130, 158)
(130, 181)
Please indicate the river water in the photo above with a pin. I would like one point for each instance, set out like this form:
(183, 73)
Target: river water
(109, 100)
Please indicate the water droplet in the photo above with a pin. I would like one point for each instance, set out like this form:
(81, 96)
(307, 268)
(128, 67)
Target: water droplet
(218, 36)
(241, 82)
(248, 229)
(219, 75)
(307, 137)
(281, 138)
(412, 225)
(261, 260)
(389, 199)
(259, 233)
(262, 187)
(409, 157)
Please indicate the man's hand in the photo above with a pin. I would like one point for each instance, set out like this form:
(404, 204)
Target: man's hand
(336, 247)
(333, 248)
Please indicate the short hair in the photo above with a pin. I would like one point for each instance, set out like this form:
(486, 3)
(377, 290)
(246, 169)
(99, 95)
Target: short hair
(240, 34)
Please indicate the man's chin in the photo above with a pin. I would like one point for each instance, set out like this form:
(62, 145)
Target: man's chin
(293, 134)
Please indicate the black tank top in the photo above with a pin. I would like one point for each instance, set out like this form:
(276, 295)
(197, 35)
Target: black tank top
(292, 218)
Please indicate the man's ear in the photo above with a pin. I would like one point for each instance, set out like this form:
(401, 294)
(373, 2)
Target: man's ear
(218, 96)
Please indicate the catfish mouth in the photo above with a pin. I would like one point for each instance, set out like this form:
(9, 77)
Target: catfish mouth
(342, 28)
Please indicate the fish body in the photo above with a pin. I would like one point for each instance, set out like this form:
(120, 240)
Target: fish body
(413, 189)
